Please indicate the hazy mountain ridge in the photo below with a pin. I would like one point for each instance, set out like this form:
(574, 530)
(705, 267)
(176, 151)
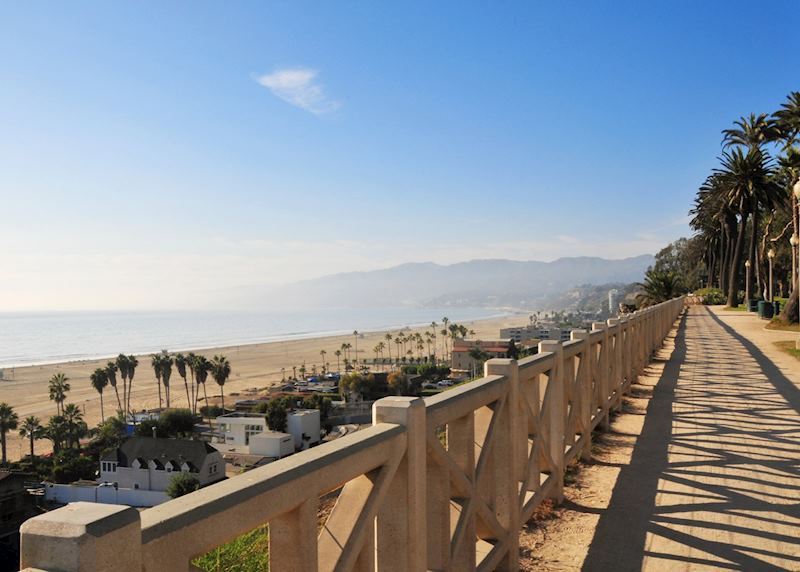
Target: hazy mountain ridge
(475, 283)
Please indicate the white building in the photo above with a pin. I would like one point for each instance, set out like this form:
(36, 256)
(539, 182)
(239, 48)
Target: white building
(304, 426)
(146, 463)
(613, 302)
(237, 428)
(272, 444)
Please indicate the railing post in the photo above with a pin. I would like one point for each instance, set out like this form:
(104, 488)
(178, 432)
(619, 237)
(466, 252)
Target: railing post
(83, 537)
(553, 415)
(617, 381)
(401, 524)
(293, 538)
(603, 377)
(625, 356)
(508, 460)
(584, 390)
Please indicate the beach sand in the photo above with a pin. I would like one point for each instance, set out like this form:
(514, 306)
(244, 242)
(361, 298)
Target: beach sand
(255, 368)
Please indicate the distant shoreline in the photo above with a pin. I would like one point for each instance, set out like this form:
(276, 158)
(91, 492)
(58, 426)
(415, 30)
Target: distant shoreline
(240, 342)
(247, 342)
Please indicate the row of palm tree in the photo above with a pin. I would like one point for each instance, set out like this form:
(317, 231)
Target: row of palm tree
(740, 203)
(64, 430)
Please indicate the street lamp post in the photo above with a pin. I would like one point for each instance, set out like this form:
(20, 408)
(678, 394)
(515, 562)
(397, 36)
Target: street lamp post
(770, 256)
(747, 283)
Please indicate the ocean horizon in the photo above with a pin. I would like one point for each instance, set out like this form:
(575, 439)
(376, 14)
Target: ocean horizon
(39, 338)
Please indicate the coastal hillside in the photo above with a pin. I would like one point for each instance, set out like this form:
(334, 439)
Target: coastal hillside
(476, 283)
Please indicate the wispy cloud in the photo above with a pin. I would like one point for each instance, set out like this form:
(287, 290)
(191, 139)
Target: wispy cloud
(299, 87)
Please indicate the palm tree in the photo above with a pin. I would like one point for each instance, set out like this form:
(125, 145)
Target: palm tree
(322, 354)
(74, 423)
(180, 364)
(111, 375)
(56, 431)
(752, 132)
(658, 287)
(124, 369)
(389, 339)
(131, 364)
(221, 371)
(158, 369)
(201, 368)
(355, 335)
(58, 391)
(99, 380)
(445, 322)
(8, 422)
(166, 373)
(191, 361)
(32, 429)
(338, 354)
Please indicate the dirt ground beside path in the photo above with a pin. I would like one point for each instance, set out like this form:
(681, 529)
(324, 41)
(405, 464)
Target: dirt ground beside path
(560, 539)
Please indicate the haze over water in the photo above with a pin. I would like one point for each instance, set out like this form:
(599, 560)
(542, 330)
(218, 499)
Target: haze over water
(38, 338)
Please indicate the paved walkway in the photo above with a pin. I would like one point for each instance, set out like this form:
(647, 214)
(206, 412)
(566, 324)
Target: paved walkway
(714, 479)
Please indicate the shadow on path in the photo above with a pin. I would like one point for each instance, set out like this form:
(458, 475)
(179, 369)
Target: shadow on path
(714, 478)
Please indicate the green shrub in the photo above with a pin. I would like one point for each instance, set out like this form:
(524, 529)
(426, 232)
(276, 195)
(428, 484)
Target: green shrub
(182, 484)
(711, 296)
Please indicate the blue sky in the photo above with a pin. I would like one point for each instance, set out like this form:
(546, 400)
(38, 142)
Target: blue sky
(158, 156)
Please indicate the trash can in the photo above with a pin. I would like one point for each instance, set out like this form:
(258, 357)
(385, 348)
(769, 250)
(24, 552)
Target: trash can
(768, 310)
(761, 305)
(752, 305)
(776, 308)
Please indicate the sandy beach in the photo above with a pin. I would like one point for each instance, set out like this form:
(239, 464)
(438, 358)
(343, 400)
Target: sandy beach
(255, 367)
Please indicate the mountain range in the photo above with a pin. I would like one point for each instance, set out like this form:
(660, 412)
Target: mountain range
(475, 283)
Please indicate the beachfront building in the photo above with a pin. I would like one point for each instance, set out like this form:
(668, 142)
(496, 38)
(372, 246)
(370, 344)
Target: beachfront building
(238, 428)
(146, 463)
(462, 361)
(534, 333)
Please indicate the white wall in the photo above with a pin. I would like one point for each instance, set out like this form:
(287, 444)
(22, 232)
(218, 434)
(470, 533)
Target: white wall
(107, 495)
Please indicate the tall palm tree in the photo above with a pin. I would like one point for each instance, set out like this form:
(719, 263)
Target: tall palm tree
(124, 372)
(99, 380)
(338, 354)
(751, 132)
(748, 180)
(166, 373)
(180, 365)
(8, 422)
(59, 387)
(201, 369)
(131, 363)
(111, 375)
(388, 337)
(322, 354)
(355, 336)
(191, 360)
(158, 370)
(31, 428)
(221, 371)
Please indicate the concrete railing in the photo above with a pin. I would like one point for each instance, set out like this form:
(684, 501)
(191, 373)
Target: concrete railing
(441, 483)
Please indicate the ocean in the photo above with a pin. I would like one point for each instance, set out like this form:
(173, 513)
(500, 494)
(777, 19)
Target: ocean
(41, 338)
